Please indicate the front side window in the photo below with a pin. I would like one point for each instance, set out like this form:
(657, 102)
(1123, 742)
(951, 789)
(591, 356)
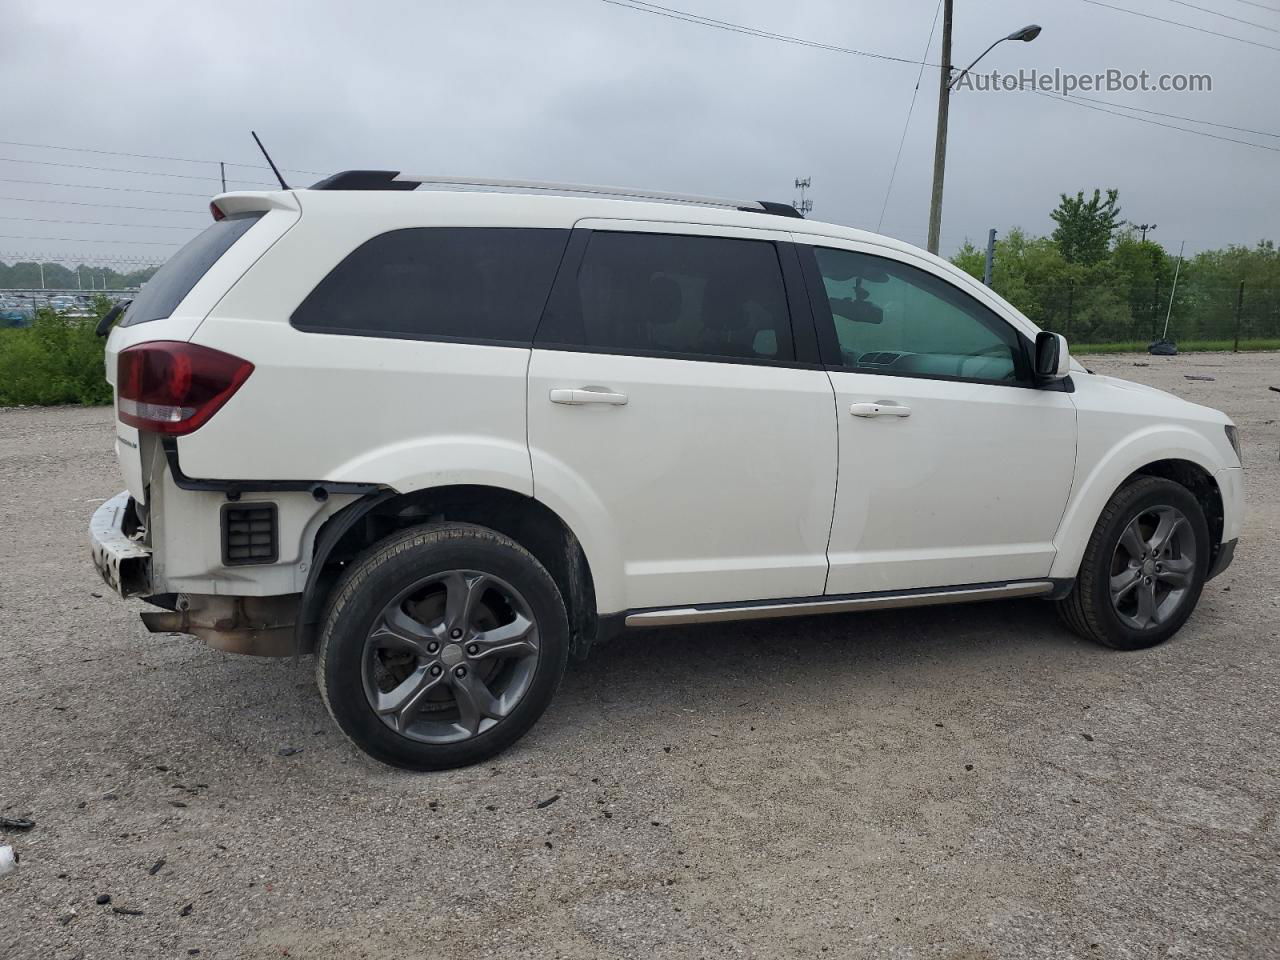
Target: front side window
(893, 318)
(485, 284)
(663, 295)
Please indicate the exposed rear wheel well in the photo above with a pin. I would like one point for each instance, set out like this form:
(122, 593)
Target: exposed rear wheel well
(1202, 486)
(526, 521)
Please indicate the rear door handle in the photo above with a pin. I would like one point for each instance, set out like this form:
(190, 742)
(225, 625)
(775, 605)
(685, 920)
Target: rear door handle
(879, 410)
(582, 395)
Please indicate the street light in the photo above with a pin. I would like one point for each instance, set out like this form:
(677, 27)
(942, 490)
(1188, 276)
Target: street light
(1026, 35)
(945, 83)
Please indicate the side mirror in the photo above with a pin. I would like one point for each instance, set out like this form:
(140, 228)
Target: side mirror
(1052, 361)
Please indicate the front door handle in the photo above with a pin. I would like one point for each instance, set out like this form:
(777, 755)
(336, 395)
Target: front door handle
(583, 395)
(880, 409)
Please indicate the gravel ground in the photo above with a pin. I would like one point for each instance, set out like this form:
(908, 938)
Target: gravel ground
(965, 782)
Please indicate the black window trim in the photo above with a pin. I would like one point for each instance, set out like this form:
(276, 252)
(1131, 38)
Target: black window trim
(829, 344)
(804, 336)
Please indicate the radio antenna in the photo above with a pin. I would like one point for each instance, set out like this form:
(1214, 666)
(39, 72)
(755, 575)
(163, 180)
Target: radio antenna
(283, 185)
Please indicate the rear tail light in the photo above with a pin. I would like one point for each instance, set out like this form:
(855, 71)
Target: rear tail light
(174, 388)
(216, 211)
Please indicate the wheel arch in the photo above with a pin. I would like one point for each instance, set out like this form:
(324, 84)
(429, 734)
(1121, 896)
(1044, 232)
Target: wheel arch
(532, 524)
(1188, 466)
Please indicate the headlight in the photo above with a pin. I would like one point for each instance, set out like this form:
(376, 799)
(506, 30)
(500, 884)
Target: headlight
(1233, 437)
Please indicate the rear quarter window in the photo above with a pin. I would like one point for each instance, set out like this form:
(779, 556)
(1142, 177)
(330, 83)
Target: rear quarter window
(161, 294)
(486, 284)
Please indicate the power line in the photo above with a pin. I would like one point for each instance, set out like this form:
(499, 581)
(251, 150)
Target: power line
(1169, 126)
(107, 206)
(150, 156)
(910, 108)
(738, 28)
(141, 173)
(91, 186)
(1179, 23)
(1176, 116)
(1225, 16)
(1260, 6)
(103, 223)
(672, 14)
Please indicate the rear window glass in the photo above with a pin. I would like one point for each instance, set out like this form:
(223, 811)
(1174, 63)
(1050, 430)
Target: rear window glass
(161, 294)
(439, 283)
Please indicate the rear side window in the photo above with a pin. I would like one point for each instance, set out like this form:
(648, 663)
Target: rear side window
(673, 295)
(161, 294)
(439, 283)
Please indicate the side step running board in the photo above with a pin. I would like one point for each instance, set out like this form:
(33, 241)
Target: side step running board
(768, 609)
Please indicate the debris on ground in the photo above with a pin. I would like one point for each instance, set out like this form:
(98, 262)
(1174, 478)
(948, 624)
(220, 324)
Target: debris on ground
(1163, 348)
(186, 911)
(1088, 736)
(1141, 363)
(289, 751)
(8, 859)
(155, 867)
(102, 899)
(543, 804)
(1192, 376)
(16, 823)
(126, 911)
(1276, 389)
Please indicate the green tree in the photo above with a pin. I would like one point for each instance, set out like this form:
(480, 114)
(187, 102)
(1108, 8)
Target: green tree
(1085, 227)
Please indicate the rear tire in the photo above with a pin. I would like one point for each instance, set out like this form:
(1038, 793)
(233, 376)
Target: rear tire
(1143, 568)
(441, 646)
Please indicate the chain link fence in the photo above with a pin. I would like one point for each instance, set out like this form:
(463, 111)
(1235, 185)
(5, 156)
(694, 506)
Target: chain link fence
(1124, 313)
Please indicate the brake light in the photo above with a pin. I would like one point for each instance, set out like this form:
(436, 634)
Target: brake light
(174, 388)
(216, 211)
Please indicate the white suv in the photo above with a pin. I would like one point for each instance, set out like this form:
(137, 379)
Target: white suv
(447, 437)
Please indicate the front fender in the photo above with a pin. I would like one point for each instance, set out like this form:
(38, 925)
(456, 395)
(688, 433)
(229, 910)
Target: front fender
(1100, 473)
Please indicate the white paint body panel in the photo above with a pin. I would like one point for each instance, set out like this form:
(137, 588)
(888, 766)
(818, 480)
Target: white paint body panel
(712, 483)
(968, 489)
(715, 482)
(1124, 426)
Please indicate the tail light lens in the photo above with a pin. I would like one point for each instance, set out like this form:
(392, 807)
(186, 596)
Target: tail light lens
(174, 388)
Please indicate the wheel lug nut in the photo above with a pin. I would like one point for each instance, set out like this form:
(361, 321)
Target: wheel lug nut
(472, 649)
(432, 647)
(1146, 580)
(435, 670)
(455, 633)
(460, 672)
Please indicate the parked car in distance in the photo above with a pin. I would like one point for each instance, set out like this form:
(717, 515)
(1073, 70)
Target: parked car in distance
(446, 438)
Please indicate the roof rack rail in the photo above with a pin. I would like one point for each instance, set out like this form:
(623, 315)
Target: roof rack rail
(394, 180)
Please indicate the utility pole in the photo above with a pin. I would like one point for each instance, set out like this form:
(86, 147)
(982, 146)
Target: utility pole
(1143, 228)
(940, 142)
(804, 205)
(991, 256)
(41, 274)
(222, 169)
(1172, 290)
(1239, 308)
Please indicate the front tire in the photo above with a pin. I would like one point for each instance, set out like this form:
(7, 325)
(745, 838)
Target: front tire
(1143, 568)
(441, 646)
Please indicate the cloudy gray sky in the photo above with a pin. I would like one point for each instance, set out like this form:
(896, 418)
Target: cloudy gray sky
(589, 91)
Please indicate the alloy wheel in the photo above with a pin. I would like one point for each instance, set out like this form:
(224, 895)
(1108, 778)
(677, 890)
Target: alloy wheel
(1153, 567)
(450, 657)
